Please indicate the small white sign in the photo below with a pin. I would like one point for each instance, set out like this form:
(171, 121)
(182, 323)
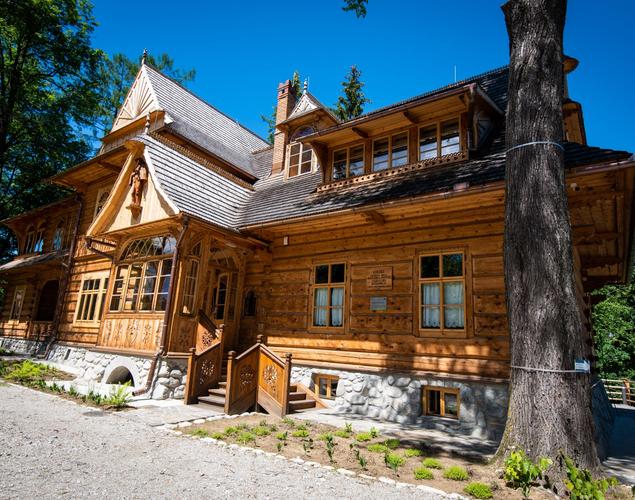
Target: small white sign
(378, 303)
(582, 366)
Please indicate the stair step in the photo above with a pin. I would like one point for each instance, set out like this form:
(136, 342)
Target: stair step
(222, 384)
(297, 396)
(221, 393)
(212, 400)
(293, 388)
(301, 405)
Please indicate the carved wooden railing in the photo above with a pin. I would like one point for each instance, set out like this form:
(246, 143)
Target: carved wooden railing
(205, 364)
(259, 376)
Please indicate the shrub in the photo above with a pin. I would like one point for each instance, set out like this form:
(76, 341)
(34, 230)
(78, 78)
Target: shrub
(279, 446)
(432, 463)
(27, 372)
(393, 461)
(119, 396)
(300, 433)
(478, 490)
(261, 430)
(412, 452)
(245, 437)
(56, 388)
(363, 437)
(423, 473)
(393, 444)
(282, 436)
(231, 431)
(377, 448)
(374, 433)
(521, 472)
(342, 433)
(324, 436)
(582, 486)
(456, 473)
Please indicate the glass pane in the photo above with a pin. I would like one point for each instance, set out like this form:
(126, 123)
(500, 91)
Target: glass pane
(321, 297)
(320, 309)
(399, 150)
(450, 138)
(430, 266)
(453, 265)
(356, 163)
(337, 296)
(453, 317)
(337, 273)
(322, 274)
(322, 384)
(334, 387)
(430, 317)
(337, 316)
(339, 164)
(451, 403)
(428, 143)
(162, 300)
(434, 402)
(294, 149)
(430, 294)
(453, 293)
(380, 155)
(293, 171)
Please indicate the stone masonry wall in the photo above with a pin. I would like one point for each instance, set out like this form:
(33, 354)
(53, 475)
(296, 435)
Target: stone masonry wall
(397, 398)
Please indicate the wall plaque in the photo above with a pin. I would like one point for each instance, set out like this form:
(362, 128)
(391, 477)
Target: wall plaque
(379, 278)
(378, 303)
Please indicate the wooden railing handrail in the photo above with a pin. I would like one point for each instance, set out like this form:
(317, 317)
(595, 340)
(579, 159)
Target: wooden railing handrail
(216, 345)
(273, 355)
(208, 322)
(246, 353)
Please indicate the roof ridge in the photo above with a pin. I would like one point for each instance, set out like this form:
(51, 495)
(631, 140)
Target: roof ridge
(204, 101)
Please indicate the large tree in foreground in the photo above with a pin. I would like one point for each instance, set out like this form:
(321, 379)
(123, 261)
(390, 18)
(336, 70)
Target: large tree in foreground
(549, 407)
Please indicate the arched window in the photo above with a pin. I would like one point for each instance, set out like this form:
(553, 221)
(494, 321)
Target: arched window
(38, 246)
(191, 280)
(299, 155)
(249, 310)
(58, 236)
(30, 240)
(142, 280)
(102, 197)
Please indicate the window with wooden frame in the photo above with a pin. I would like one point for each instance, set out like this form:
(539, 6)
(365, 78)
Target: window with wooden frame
(58, 236)
(144, 283)
(439, 139)
(441, 401)
(30, 240)
(299, 159)
(326, 385)
(38, 244)
(92, 296)
(348, 162)
(191, 280)
(18, 302)
(100, 202)
(329, 283)
(390, 152)
(442, 291)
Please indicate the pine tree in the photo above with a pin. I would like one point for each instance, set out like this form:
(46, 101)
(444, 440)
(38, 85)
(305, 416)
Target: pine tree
(351, 104)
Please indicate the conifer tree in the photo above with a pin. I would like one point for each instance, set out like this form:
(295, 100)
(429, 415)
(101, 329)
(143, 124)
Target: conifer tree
(351, 103)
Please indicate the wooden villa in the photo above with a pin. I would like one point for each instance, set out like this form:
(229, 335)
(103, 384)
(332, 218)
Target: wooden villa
(356, 265)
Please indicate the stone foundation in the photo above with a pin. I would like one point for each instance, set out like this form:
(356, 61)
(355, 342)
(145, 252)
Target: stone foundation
(90, 366)
(397, 398)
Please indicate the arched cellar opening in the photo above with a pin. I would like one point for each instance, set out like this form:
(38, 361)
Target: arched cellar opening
(120, 375)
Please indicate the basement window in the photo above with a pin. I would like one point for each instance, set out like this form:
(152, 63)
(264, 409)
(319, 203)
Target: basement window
(326, 385)
(441, 402)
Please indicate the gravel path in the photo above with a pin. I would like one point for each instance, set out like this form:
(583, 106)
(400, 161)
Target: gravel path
(51, 448)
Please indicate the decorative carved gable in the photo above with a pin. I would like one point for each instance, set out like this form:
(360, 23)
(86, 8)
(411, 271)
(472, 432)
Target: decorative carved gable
(140, 101)
(306, 103)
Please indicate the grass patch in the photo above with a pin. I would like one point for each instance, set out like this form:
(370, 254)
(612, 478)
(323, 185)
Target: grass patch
(232, 431)
(412, 452)
(245, 437)
(288, 422)
(217, 435)
(394, 461)
(478, 490)
(456, 473)
(423, 473)
(282, 436)
(261, 430)
(300, 433)
(377, 448)
(392, 444)
(341, 433)
(201, 433)
(432, 463)
(362, 437)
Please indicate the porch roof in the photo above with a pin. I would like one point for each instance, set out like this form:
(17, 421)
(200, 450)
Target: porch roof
(21, 263)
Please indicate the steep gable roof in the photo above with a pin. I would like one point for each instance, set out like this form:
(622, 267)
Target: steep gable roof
(307, 104)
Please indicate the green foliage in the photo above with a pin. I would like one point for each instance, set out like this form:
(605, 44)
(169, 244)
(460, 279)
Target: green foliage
(360, 458)
(72, 392)
(456, 473)
(393, 444)
(119, 396)
(351, 104)
(5, 352)
(478, 490)
(279, 446)
(217, 435)
(521, 472)
(423, 473)
(56, 388)
(261, 430)
(374, 433)
(27, 373)
(324, 436)
(307, 445)
(356, 6)
(245, 437)
(412, 452)
(377, 448)
(393, 460)
(282, 436)
(231, 431)
(614, 331)
(288, 422)
(581, 484)
(93, 397)
(362, 437)
(300, 433)
(432, 463)
(201, 433)
(330, 447)
(4, 368)
(270, 120)
(348, 427)
(342, 434)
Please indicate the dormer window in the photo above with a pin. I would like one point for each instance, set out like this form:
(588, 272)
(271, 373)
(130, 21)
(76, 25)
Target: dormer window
(348, 162)
(390, 152)
(299, 155)
(440, 139)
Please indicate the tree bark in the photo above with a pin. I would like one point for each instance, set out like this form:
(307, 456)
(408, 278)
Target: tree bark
(549, 411)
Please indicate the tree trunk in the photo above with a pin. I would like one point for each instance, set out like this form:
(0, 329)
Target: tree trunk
(549, 411)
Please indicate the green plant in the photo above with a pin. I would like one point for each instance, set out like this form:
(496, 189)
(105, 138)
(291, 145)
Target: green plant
(245, 437)
(289, 422)
(282, 436)
(521, 472)
(202, 433)
(478, 490)
(330, 447)
(348, 427)
(307, 444)
(581, 484)
(393, 444)
(412, 452)
(342, 434)
(261, 430)
(217, 435)
(231, 431)
(5, 352)
(273, 428)
(56, 388)
(377, 448)
(279, 446)
(72, 392)
(456, 473)
(94, 397)
(432, 463)
(119, 396)
(301, 427)
(360, 459)
(242, 427)
(423, 473)
(393, 460)
(300, 433)
(27, 372)
(374, 433)
(363, 437)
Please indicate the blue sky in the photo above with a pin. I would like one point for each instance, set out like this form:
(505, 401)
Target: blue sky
(242, 49)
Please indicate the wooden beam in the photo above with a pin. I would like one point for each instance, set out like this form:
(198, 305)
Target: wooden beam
(600, 260)
(408, 116)
(360, 132)
(109, 166)
(374, 216)
(594, 238)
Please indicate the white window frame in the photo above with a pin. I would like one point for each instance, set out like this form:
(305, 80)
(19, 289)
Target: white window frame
(99, 296)
(288, 160)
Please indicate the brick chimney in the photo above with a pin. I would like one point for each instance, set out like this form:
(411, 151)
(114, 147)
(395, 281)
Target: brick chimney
(286, 102)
